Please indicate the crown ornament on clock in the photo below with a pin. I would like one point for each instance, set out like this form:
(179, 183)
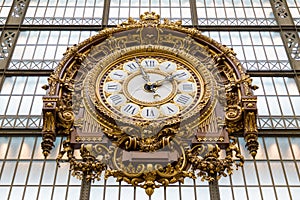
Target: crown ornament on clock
(150, 16)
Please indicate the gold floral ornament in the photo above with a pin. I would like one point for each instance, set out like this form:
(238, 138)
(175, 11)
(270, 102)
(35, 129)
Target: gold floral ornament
(150, 103)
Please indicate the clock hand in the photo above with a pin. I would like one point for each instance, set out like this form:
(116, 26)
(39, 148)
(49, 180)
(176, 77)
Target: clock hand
(144, 74)
(167, 78)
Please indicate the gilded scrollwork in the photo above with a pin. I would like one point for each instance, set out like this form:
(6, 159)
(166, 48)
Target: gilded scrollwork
(49, 126)
(233, 113)
(149, 176)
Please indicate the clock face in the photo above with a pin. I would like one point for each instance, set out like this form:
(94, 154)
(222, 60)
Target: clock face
(145, 87)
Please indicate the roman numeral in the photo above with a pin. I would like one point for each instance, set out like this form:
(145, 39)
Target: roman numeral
(187, 87)
(182, 74)
(116, 99)
(150, 113)
(150, 63)
(182, 99)
(129, 109)
(119, 75)
(170, 110)
(131, 67)
(112, 87)
(168, 65)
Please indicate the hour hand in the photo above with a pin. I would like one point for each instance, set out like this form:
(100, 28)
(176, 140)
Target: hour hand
(144, 74)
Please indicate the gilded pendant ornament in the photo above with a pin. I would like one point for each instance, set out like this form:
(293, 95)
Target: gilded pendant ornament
(150, 103)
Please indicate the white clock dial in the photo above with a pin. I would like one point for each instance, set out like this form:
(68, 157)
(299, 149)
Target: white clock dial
(150, 113)
(145, 88)
(118, 75)
(112, 87)
(168, 67)
(181, 75)
(169, 109)
(130, 109)
(183, 99)
(137, 89)
(116, 99)
(149, 63)
(187, 87)
(131, 66)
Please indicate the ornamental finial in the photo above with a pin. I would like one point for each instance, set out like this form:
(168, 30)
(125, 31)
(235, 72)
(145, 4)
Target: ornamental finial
(150, 17)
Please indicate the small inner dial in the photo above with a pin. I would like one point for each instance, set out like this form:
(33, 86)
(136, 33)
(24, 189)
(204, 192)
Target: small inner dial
(150, 87)
(149, 93)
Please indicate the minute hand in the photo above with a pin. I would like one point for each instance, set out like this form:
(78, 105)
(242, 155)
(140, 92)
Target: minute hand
(144, 74)
(167, 78)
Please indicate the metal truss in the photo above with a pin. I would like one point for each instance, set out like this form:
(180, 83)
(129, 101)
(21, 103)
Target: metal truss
(290, 37)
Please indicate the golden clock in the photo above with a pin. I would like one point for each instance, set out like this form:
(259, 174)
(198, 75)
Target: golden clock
(150, 103)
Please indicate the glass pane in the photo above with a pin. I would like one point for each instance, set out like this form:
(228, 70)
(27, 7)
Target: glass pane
(127, 193)
(3, 146)
(261, 150)
(264, 173)
(62, 174)
(226, 193)
(59, 193)
(27, 148)
(172, 193)
(271, 147)
(202, 193)
(254, 193)
(21, 174)
(14, 148)
(296, 103)
(262, 106)
(280, 85)
(50, 168)
(45, 193)
(295, 192)
(268, 193)
(4, 192)
(239, 193)
(25, 105)
(250, 173)
(31, 193)
(158, 193)
(278, 173)
(284, 147)
(8, 172)
(3, 105)
(285, 105)
(295, 141)
(97, 193)
(140, 194)
(35, 173)
(13, 105)
(19, 85)
(268, 86)
(291, 86)
(31, 85)
(237, 177)
(275, 110)
(282, 193)
(16, 193)
(38, 105)
(73, 193)
(112, 193)
(7, 85)
(291, 172)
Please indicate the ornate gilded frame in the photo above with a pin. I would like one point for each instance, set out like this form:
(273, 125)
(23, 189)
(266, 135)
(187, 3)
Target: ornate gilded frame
(66, 102)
